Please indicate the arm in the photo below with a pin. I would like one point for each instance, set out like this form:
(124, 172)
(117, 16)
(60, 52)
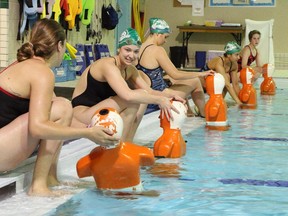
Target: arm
(41, 125)
(258, 68)
(112, 74)
(165, 63)
(258, 59)
(140, 83)
(234, 78)
(245, 55)
(220, 69)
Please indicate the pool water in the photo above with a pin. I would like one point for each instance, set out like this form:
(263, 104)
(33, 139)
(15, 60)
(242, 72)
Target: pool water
(242, 171)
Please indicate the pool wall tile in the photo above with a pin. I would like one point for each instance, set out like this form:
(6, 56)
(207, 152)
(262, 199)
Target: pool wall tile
(4, 33)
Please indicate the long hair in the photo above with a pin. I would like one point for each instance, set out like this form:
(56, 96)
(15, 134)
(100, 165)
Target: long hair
(44, 37)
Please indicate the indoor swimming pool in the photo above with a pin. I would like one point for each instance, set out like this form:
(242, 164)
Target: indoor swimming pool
(242, 171)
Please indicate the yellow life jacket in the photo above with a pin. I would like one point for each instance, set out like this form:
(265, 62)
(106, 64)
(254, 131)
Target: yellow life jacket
(47, 7)
(56, 10)
(74, 10)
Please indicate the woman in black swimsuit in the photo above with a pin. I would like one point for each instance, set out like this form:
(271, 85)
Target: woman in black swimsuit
(31, 116)
(105, 84)
(228, 67)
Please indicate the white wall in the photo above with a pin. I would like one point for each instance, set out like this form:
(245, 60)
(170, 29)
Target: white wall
(176, 16)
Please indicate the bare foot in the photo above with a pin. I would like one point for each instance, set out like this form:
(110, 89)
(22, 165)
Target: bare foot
(47, 193)
(52, 182)
(189, 110)
(197, 112)
(190, 113)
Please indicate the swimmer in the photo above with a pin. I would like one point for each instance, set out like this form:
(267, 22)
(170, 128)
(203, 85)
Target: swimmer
(105, 84)
(32, 117)
(154, 60)
(250, 54)
(228, 67)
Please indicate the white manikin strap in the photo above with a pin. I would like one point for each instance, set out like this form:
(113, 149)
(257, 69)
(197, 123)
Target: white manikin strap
(136, 188)
(249, 76)
(178, 119)
(270, 70)
(219, 83)
(218, 123)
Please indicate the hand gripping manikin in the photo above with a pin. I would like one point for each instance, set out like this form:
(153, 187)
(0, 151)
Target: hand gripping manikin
(116, 167)
(247, 94)
(268, 86)
(171, 143)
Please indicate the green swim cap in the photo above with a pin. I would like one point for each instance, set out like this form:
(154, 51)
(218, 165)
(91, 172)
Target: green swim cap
(158, 25)
(129, 37)
(232, 47)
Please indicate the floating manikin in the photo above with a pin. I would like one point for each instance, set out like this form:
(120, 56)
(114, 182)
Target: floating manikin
(216, 107)
(247, 94)
(118, 166)
(171, 143)
(268, 86)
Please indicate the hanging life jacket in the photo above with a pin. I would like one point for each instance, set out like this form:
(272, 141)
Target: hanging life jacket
(87, 10)
(29, 14)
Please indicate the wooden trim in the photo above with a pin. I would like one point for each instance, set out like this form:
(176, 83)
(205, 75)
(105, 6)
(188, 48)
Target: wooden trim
(176, 3)
(200, 28)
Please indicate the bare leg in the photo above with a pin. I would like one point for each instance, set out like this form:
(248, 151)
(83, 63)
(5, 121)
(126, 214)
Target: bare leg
(129, 120)
(199, 98)
(135, 124)
(140, 112)
(46, 153)
(21, 144)
(128, 113)
(52, 176)
(192, 87)
(46, 164)
(189, 110)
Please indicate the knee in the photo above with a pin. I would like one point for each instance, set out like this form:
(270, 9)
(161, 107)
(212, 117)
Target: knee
(62, 111)
(133, 109)
(198, 82)
(197, 85)
(140, 113)
(134, 106)
(130, 111)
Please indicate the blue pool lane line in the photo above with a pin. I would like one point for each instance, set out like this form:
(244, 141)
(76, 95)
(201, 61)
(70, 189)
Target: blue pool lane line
(270, 183)
(186, 179)
(265, 139)
(255, 182)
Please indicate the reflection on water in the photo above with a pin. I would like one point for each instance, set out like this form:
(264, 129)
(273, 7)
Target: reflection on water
(165, 170)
